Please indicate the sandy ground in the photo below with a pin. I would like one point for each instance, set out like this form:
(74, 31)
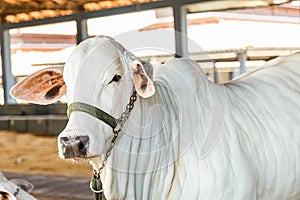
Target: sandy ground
(34, 154)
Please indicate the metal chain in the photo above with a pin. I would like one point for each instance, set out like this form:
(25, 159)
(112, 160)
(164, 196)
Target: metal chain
(96, 184)
(121, 120)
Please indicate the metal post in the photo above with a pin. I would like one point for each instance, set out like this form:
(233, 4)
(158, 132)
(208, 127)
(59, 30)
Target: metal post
(180, 26)
(82, 30)
(8, 79)
(215, 73)
(242, 58)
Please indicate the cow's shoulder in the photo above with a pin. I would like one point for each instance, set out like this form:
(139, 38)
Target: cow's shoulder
(184, 66)
(181, 75)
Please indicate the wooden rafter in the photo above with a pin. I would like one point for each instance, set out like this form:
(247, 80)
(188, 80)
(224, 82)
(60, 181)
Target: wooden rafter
(13, 11)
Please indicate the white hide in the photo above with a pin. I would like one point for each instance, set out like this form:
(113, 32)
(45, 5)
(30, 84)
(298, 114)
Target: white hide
(10, 188)
(193, 139)
(190, 138)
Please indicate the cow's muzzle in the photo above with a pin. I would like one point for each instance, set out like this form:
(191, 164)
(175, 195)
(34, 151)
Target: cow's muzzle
(74, 147)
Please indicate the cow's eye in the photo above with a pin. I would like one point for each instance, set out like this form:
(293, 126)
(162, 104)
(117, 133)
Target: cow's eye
(116, 78)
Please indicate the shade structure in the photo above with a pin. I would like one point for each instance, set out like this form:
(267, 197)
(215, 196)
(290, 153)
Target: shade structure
(15, 11)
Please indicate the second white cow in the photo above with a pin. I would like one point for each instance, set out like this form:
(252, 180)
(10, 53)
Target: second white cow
(15, 189)
(186, 137)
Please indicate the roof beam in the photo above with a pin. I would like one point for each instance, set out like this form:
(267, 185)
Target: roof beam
(31, 6)
(93, 14)
(80, 7)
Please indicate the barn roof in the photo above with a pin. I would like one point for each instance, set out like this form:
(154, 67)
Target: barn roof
(14, 11)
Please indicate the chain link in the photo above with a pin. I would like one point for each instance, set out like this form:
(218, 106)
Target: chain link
(96, 184)
(120, 122)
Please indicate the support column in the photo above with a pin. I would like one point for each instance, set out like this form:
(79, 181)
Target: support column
(8, 79)
(82, 30)
(242, 58)
(215, 73)
(180, 26)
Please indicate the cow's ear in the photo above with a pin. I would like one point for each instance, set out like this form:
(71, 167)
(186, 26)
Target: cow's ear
(142, 81)
(42, 87)
(4, 194)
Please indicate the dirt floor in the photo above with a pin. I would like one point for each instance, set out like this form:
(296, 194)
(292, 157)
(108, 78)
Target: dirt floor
(28, 153)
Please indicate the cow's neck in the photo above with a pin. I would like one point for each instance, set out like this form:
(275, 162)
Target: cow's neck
(148, 161)
(145, 152)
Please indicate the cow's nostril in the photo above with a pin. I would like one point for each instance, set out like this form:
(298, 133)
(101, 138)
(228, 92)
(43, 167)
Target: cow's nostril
(81, 146)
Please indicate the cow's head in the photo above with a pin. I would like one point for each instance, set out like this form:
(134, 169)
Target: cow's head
(101, 73)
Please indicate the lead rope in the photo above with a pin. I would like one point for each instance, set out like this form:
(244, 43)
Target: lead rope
(96, 184)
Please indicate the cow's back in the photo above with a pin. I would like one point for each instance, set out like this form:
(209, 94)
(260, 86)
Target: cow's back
(256, 127)
(265, 116)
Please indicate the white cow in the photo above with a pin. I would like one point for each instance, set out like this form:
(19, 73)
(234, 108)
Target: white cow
(186, 137)
(11, 191)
